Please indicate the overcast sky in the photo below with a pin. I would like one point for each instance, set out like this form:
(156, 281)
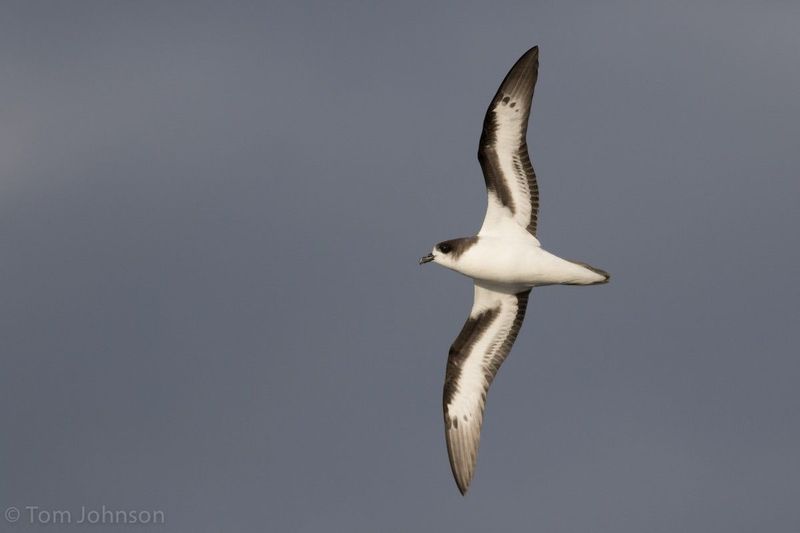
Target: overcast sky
(210, 303)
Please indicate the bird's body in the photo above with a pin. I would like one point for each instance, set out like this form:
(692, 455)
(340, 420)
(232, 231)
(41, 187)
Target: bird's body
(505, 260)
(519, 262)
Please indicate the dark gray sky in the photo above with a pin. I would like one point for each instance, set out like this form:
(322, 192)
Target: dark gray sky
(210, 220)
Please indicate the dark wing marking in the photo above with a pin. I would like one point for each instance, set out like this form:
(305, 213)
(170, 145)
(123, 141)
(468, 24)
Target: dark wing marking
(503, 149)
(473, 361)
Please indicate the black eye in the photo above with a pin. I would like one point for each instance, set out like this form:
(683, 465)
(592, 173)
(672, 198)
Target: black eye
(444, 248)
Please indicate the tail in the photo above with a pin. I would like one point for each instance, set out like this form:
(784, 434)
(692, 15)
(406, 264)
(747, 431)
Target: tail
(599, 277)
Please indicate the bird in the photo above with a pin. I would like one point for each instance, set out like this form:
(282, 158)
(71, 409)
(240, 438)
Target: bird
(505, 261)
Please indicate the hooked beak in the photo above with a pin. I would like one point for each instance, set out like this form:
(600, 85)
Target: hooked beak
(425, 259)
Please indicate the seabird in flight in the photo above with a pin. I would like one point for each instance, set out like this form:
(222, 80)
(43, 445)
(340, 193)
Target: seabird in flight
(505, 261)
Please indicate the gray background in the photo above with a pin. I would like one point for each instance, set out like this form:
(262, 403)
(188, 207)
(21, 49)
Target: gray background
(210, 304)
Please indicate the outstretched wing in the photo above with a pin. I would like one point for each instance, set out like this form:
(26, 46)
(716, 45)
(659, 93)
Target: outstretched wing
(475, 357)
(503, 150)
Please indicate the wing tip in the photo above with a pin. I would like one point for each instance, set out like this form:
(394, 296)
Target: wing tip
(462, 451)
(530, 56)
(520, 81)
(462, 476)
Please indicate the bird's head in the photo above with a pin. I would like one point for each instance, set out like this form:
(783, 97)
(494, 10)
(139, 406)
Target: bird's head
(447, 252)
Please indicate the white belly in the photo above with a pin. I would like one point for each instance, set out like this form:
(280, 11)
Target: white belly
(519, 262)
